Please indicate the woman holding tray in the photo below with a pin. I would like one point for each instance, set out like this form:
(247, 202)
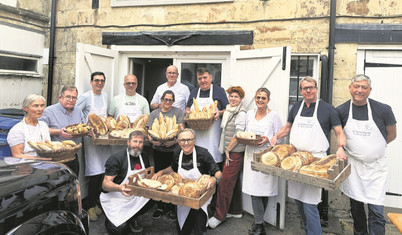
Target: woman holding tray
(229, 189)
(265, 122)
(29, 129)
(163, 151)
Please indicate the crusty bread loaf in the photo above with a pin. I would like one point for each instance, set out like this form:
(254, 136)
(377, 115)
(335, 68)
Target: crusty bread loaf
(326, 162)
(140, 122)
(203, 181)
(111, 123)
(97, 124)
(284, 150)
(123, 117)
(270, 159)
(122, 124)
(175, 189)
(312, 170)
(177, 178)
(289, 163)
(190, 189)
(246, 135)
(168, 180)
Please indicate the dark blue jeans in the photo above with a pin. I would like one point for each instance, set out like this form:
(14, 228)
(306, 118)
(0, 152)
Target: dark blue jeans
(310, 217)
(376, 220)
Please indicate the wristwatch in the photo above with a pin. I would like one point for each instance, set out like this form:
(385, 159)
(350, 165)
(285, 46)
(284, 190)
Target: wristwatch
(342, 146)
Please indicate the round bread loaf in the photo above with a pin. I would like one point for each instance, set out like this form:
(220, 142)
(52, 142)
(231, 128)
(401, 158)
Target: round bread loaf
(111, 123)
(97, 124)
(284, 150)
(270, 159)
(125, 118)
(168, 180)
(298, 164)
(190, 189)
(175, 189)
(177, 178)
(289, 163)
(203, 181)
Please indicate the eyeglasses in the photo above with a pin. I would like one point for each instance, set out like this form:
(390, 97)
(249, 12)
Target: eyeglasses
(171, 73)
(168, 100)
(364, 87)
(308, 88)
(130, 83)
(260, 98)
(70, 98)
(98, 81)
(183, 141)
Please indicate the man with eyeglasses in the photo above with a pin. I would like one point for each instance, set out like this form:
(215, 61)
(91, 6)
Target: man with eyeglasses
(180, 90)
(62, 114)
(309, 125)
(94, 101)
(130, 103)
(369, 126)
(191, 161)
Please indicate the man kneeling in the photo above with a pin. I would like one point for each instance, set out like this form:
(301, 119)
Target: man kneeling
(121, 208)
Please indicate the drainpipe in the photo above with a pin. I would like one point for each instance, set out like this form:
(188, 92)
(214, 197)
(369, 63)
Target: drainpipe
(51, 53)
(331, 49)
(324, 78)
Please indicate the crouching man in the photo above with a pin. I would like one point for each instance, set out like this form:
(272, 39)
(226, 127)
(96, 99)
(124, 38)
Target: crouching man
(190, 162)
(121, 208)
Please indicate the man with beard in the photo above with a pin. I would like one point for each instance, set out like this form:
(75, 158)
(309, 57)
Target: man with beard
(121, 208)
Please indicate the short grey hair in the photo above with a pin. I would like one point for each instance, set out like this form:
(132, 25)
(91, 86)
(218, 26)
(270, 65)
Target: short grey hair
(308, 79)
(31, 98)
(68, 87)
(360, 77)
(187, 130)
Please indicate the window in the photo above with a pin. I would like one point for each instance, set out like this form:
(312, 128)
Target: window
(13, 63)
(301, 66)
(189, 73)
(123, 3)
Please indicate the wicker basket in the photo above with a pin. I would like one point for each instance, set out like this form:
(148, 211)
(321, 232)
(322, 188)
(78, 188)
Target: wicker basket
(60, 155)
(199, 124)
(253, 142)
(160, 139)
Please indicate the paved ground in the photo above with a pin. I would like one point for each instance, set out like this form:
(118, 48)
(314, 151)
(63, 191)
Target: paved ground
(235, 226)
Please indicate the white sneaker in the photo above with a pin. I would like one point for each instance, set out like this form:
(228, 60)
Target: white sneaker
(214, 222)
(238, 216)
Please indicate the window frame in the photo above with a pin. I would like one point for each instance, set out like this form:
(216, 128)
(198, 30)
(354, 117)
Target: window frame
(36, 58)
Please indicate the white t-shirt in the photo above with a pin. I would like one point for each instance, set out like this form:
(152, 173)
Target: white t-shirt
(38, 133)
(181, 94)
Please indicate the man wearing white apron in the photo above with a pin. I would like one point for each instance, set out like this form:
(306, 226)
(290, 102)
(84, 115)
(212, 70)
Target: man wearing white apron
(94, 101)
(130, 103)
(206, 94)
(121, 208)
(190, 162)
(309, 124)
(369, 126)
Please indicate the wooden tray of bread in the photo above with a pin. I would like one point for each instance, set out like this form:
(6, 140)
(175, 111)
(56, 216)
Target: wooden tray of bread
(142, 185)
(309, 172)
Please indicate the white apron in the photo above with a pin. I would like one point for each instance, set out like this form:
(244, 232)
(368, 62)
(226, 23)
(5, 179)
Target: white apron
(96, 155)
(254, 182)
(131, 110)
(37, 137)
(365, 146)
(307, 135)
(119, 208)
(194, 174)
(209, 139)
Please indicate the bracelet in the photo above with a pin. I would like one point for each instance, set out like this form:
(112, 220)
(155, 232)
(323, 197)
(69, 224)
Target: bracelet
(342, 146)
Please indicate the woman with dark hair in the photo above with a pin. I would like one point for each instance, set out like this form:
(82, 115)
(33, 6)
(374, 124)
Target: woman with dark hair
(265, 122)
(229, 188)
(29, 129)
(163, 151)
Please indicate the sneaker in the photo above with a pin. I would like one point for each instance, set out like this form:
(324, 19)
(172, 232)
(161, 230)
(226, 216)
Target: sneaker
(92, 214)
(172, 216)
(214, 222)
(238, 216)
(134, 227)
(158, 213)
(98, 210)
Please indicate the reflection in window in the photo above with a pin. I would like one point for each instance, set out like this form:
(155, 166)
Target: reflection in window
(189, 73)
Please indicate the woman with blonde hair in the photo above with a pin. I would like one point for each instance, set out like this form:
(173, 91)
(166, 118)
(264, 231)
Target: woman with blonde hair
(29, 129)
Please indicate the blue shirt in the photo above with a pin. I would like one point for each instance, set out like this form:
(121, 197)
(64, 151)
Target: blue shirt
(56, 117)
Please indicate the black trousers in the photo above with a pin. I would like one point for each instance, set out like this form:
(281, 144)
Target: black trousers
(124, 227)
(196, 220)
(74, 165)
(163, 160)
(94, 189)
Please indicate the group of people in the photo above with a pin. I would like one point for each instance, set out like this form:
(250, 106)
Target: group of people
(363, 128)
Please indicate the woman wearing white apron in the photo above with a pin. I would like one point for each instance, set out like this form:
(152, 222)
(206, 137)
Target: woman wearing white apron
(260, 186)
(29, 129)
(367, 180)
(118, 206)
(95, 155)
(307, 134)
(191, 162)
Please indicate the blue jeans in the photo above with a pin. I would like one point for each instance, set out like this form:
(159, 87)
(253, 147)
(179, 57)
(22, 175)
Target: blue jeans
(376, 218)
(310, 217)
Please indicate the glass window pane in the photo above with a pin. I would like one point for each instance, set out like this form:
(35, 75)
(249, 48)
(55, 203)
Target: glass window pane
(189, 73)
(18, 64)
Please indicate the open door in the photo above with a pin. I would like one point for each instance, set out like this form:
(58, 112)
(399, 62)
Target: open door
(270, 68)
(90, 59)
